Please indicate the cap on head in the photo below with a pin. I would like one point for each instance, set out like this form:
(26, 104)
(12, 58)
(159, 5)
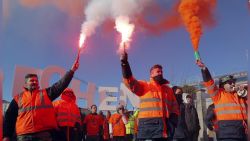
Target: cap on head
(225, 79)
(156, 66)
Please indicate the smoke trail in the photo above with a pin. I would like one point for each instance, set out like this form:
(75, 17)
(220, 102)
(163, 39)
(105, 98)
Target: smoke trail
(97, 11)
(193, 13)
(165, 19)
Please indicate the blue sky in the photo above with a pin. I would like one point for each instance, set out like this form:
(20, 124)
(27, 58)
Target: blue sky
(42, 36)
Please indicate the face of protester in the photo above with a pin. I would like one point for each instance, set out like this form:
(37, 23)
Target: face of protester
(229, 86)
(189, 99)
(32, 83)
(108, 114)
(93, 109)
(178, 91)
(121, 110)
(156, 72)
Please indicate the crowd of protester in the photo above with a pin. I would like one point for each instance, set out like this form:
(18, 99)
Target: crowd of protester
(164, 113)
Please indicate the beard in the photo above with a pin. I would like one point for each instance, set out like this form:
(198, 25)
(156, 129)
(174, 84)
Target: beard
(33, 87)
(159, 79)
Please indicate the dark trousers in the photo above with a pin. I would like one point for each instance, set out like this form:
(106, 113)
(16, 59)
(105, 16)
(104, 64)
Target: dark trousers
(193, 136)
(243, 139)
(67, 133)
(129, 137)
(41, 136)
(118, 138)
(158, 139)
(93, 138)
(180, 139)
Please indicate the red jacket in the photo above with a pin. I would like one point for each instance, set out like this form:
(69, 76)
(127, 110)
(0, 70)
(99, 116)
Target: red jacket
(93, 124)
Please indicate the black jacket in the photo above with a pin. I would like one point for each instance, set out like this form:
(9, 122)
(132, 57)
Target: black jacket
(191, 119)
(181, 131)
(53, 92)
(210, 117)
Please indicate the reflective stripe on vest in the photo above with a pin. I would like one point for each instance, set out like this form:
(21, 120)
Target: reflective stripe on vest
(230, 111)
(66, 120)
(150, 109)
(66, 114)
(172, 103)
(63, 116)
(26, 109)
(223, 105)
(42, 106)
(34, 108)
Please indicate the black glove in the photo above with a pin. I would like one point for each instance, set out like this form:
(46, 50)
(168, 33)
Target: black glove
(124, 57)
(126, 70)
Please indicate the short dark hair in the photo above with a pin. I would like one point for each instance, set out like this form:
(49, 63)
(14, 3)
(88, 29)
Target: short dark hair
(156, 66)
(29, 75)
(93, 106)
(174, 88)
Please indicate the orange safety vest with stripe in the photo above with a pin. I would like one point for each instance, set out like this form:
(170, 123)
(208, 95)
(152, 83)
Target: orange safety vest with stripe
(155, 100)
(35, 112)
(228, 106)
(67, 113)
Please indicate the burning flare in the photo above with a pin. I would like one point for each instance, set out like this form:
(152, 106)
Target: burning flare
(189, 10)
(81, 40)
(126, 29)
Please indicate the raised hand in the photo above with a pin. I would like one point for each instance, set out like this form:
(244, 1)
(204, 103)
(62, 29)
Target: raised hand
(200, 64)
(124, 57)
(76, 64)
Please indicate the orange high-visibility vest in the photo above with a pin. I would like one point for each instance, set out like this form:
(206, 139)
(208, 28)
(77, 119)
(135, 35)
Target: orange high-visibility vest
(155, 100)
(35, 112)
(228, 106)
(67, 113)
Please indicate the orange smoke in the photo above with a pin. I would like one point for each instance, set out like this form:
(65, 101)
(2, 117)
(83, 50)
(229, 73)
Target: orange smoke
(193, 14)
(165, 19)
(72, 8)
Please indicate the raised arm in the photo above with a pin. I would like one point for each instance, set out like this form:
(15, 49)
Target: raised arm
(57, 88)
(209, 83)
(137, 87)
